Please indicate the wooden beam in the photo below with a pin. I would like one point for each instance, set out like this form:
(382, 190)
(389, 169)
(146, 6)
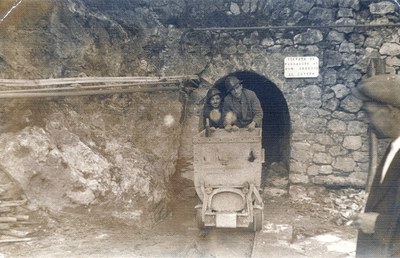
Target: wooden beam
(79, 87)
(16, 94)
(14, 240)
(63, 87)
(79, 80)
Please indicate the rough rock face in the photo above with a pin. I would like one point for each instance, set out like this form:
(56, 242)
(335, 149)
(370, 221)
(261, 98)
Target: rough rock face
(96, 38)
(106, 155)
(325, 140)
(111, 153)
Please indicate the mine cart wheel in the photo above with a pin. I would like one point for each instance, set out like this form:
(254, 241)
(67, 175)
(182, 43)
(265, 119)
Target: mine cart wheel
(199, 220)
(257, 220)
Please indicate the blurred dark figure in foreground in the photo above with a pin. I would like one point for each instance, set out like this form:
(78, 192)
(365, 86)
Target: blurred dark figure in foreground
(379, 225)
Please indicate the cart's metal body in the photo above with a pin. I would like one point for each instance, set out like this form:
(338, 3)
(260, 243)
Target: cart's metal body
(227, 178)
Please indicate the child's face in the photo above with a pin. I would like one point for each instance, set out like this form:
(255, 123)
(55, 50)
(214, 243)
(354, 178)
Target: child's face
(215, 101)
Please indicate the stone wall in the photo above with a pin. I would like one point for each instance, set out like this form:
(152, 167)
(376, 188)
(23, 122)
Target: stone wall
(328, 141)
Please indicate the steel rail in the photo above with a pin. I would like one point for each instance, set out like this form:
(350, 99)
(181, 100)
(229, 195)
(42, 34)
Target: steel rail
(294, 27)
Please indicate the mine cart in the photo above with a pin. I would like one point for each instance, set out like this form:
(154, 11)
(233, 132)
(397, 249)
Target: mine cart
(227, 178)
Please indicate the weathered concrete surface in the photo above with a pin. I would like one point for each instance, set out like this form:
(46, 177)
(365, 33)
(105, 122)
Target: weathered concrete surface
(275, 244)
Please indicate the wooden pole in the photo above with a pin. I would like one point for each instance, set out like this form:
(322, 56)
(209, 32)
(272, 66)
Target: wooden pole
(63, 87)
(31, 94)
(84, 80)
(376, 66)
(13, 240)
(80, 87)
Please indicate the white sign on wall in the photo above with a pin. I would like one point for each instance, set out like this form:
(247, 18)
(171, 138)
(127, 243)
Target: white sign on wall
(301, 67)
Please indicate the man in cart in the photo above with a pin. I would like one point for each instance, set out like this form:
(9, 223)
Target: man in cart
(242, 108)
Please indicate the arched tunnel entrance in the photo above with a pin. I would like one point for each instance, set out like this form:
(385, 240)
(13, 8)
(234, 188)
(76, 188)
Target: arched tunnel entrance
(276, 120)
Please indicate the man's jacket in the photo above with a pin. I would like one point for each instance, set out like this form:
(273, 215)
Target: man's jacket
(247, 108)
(384, 198)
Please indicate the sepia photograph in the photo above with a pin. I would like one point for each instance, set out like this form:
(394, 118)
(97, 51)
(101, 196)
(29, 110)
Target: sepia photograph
(200, 128)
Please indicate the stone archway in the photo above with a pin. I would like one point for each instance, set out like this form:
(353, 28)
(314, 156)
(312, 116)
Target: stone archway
(276, 122)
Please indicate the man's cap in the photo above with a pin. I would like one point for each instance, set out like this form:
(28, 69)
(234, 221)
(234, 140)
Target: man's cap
(230, 83)
(384, 88)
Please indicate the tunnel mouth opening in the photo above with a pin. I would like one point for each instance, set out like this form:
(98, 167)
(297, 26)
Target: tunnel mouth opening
(276, 119)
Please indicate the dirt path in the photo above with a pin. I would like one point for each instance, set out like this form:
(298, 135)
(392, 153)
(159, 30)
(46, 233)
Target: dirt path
(72, 234)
